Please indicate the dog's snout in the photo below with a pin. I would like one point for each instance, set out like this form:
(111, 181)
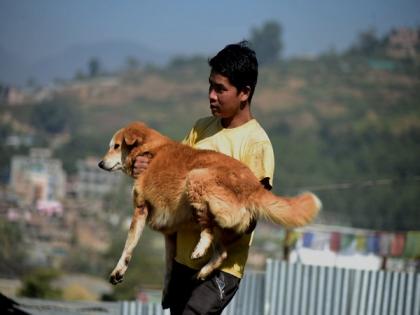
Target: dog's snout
(101, 164)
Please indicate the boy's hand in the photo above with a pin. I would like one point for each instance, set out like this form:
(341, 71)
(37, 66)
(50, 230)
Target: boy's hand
(140, 165)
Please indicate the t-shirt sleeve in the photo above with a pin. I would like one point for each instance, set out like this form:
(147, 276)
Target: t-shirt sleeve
(191, 137)
(196, 132)
(259, 158)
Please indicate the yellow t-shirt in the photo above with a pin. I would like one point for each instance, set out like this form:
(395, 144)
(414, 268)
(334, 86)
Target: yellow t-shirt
(247, 143)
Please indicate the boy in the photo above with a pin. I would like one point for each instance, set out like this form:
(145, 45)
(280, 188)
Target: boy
(231, 130)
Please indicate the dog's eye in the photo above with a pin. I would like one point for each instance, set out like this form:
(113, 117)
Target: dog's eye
(116, 146)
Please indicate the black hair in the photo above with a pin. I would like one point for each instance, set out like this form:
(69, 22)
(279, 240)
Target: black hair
(239, 64)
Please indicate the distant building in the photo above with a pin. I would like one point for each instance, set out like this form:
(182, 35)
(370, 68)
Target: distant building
(12, 96)
(404, 43)
(38, 179)
(93, 182)
(17, 141)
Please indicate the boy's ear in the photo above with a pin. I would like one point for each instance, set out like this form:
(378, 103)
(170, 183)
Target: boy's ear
(245, 93)
(132, 136)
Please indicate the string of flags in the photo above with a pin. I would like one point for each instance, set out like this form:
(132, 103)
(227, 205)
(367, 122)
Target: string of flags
(386, 244)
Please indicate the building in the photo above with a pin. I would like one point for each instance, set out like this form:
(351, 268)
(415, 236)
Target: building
(93, 182)
(404, 43)
(38, 178)
(10, 95)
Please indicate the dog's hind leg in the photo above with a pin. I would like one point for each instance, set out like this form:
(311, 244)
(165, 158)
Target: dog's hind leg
(195, 193)
(136, 229)
(227, 211)
(206, 239)
(219, 255)
(206, 221)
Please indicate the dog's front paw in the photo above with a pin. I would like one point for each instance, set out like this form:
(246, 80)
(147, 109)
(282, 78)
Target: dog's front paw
(200, 250)
(116, 277)
(197, 253)
(204, 273)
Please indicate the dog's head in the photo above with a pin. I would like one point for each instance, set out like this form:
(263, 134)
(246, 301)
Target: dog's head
(123, 142)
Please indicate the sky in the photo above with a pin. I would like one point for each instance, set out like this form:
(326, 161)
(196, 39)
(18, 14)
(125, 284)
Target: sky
(38, 28)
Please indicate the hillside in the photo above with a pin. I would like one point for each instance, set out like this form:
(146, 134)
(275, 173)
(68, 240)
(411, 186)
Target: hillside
(345, 127)
(111, 55)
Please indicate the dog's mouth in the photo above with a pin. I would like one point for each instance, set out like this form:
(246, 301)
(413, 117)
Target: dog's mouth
(105, 167)
(115, 167)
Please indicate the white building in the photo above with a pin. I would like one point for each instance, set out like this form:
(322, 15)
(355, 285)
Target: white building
(38, 177)
(404, 43)
(93, 182)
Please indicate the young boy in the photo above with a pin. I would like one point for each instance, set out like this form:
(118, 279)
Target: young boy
(231, 130)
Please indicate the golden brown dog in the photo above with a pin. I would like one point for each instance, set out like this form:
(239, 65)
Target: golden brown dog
(182, 183)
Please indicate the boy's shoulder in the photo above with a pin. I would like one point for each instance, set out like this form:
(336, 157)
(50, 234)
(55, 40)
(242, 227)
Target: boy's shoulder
(211, 121)
(254, 131)
(205, 122)
(250, 132)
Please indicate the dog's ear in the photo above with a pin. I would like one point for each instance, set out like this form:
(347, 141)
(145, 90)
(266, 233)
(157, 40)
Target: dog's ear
(132, 136)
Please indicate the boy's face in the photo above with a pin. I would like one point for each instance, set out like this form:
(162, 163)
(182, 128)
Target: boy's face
(225, 100)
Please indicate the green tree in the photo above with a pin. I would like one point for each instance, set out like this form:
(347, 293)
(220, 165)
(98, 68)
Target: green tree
(95, 67)
(267, 42)
(55, 116)
(32, 83)
(79, 75)
(12, 248)
(37, 284)
(132, 63)
(368, 43)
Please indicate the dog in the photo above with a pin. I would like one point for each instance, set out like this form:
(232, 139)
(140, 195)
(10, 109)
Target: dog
(183, 185)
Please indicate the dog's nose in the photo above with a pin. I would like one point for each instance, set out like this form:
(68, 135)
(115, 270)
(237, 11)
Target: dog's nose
(101, 164)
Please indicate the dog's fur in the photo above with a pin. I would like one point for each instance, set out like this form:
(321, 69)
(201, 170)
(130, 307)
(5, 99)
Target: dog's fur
(181, 184)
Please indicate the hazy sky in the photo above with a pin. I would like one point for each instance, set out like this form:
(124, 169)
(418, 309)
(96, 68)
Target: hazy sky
(41, 27)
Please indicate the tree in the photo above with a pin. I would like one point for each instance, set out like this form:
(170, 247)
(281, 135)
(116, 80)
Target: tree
(79, 75)
(37, 284)
(367, 43)
(55, 116)
(95, 67)
(132, 63)
(12, 248)
(32, 83)
(267, 42)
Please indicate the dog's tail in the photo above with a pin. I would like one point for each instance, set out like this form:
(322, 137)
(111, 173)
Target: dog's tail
(287, 211)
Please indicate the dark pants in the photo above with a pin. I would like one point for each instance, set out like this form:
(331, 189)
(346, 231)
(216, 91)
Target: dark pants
(187, 295)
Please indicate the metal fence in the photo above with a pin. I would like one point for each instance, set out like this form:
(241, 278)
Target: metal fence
(313, 290)
(249, 300)
(138, 308)
(296, 289)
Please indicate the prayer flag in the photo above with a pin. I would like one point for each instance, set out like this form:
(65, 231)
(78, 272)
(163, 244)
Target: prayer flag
(397, 244)
(335, 240)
